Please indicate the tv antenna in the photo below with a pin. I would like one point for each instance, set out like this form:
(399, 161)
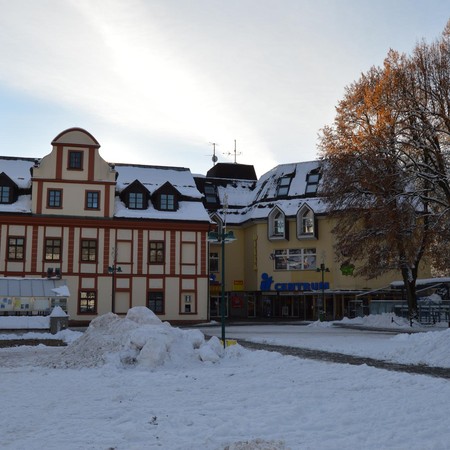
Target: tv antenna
(214, 157)
(234, 152)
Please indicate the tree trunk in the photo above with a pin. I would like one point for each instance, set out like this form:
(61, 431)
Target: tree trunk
(409, 279)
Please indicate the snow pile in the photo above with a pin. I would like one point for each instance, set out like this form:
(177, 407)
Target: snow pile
(139, 339)
(384, 320)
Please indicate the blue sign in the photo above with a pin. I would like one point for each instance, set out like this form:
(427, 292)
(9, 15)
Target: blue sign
(267, 281)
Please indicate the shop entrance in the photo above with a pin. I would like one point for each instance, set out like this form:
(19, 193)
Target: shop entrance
(214, 306)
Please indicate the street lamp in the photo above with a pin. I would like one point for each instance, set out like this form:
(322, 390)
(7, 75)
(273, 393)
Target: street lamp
(322, 269)
(223, 237)
(112, 270)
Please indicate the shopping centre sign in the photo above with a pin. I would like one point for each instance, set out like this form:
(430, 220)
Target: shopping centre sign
(267, 282)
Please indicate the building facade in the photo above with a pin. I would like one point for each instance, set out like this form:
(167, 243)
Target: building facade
(281, 263)
(124, 235)
(119, 235)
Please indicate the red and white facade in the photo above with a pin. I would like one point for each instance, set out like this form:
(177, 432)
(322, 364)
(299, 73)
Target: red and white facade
(120, 235)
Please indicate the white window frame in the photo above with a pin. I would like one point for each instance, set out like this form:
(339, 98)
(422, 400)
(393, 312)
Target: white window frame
(306, 223)
(277, 224)
(295, 259)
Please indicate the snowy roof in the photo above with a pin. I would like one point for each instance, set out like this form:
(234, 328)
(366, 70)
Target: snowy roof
(250, 200)
(153, 177)
(186, 211)
(33, 287)
(18, 169)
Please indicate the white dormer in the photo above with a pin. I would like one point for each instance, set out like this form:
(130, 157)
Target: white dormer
(277, 225)
(306, 223)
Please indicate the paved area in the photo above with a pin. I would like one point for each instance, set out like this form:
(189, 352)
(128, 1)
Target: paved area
(340, 358)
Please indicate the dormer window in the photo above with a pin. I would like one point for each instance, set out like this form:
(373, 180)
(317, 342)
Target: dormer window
(167, 202)
(283, 186)
(210, 194)
(306, 223)
(312, 183)
(8, 189)
(75, 160)
(5, 194)
(136, 200)
(166, 198)
(277, 225)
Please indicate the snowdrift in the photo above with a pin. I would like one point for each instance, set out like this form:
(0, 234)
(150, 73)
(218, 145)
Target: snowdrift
(140, 339)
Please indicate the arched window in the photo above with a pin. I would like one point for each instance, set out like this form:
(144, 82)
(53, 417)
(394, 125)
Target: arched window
(306, 223)
(277, 224)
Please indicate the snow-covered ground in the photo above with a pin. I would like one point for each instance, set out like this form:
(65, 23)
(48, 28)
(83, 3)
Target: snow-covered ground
(137, 383)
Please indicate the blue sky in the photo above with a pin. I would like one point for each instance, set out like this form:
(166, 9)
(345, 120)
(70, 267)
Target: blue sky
(156, 81)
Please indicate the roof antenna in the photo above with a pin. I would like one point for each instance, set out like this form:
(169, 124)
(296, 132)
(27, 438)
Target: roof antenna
(235, 152)
(214, 157)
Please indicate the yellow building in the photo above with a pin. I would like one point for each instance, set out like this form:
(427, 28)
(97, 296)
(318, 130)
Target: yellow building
(281, 263)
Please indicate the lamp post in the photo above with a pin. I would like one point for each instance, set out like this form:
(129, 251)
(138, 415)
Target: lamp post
(322, 269)
(113, 270)
(223, 237)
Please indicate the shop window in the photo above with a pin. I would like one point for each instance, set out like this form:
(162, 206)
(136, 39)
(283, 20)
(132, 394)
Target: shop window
(295, 259)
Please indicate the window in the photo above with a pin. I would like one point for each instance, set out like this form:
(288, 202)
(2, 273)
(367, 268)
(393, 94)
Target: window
(75, 160)
(92, 200)
(54, 198)
(295, 259)
(88, 302)
(283, 186)
(5, 192)
(167, 202)
(136, 200)
(306, 227)
(210, 194)
(89, 250)
(312, 183)
(187, 304)
(156, 252)
(213, 262)
(276, 224)
(52, 249)
(16, 248)
(156, 302)
(279, 225)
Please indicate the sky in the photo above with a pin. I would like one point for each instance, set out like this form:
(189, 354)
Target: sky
(157, 82)
(136, 383)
